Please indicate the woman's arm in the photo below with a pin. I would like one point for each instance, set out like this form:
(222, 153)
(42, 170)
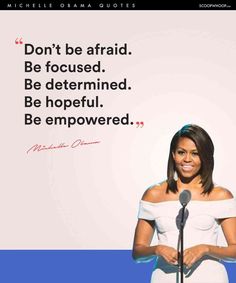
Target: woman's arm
(228, 226)
(191, 255)
(142, 249)
(226, 253)
(143, 252)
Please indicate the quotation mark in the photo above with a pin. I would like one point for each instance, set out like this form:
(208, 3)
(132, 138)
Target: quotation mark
(138, 124)
(18, 41)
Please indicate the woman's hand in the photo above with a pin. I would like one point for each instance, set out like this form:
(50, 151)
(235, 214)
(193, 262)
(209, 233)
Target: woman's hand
(193, 254)
(168, 253)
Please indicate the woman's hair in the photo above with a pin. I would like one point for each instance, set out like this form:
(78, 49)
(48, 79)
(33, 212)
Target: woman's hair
(205, 149)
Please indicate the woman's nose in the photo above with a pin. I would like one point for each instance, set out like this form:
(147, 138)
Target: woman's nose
(187, 157)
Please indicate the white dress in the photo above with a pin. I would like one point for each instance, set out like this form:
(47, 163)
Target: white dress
(201, 227)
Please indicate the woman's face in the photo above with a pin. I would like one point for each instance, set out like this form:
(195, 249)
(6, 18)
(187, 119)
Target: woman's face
(187, 160)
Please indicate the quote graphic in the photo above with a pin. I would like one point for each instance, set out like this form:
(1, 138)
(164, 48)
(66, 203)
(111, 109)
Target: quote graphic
(90, 101)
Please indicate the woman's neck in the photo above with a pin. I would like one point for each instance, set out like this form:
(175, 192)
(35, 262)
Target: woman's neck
(189, 182)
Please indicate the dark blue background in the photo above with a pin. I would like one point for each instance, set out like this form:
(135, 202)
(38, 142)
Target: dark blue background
(82, 266)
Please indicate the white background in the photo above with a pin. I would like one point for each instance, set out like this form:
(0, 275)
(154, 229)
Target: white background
(182, 70)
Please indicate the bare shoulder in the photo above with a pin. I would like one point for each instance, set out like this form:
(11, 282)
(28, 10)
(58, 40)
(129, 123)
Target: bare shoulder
(155, 193)
(220, 193)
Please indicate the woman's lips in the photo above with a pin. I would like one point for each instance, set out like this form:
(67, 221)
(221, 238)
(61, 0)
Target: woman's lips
(187, 168)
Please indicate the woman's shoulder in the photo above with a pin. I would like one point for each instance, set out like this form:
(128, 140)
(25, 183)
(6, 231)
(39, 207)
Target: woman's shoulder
(155, 193)
(220, 193)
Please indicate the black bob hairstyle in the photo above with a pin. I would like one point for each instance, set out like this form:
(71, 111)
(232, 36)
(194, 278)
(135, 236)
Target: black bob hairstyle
(205, 149)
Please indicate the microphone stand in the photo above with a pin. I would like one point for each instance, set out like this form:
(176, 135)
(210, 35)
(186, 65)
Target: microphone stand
(181, 262)
(184, 198)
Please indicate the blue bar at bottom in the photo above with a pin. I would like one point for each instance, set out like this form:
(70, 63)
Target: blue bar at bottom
(80, 266)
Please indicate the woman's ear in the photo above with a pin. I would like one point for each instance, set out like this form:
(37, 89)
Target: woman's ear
(173, 155)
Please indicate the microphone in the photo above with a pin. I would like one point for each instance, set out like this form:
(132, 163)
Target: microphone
(185, 197)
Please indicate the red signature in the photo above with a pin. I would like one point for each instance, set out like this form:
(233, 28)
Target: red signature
(77, 143)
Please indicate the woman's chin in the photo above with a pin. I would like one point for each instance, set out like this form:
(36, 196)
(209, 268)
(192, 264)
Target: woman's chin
(187, 176)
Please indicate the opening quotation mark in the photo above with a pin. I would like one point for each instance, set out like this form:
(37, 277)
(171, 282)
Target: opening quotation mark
(18, 41)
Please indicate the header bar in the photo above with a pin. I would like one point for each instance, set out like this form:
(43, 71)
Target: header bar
(115, 5)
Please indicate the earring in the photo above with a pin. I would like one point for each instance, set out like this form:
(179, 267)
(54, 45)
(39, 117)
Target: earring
(176, 176)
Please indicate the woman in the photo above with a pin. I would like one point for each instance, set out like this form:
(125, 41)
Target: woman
(190, 167)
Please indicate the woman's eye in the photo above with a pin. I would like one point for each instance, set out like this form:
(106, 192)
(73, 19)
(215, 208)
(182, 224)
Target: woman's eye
(195, 153)
(180, 152)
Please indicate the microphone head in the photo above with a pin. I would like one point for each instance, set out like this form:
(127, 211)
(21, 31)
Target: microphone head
(185, 197)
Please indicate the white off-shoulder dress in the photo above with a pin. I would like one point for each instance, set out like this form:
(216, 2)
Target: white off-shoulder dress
(201, 227)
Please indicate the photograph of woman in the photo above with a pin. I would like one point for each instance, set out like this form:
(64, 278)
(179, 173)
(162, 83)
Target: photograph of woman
(190, 167)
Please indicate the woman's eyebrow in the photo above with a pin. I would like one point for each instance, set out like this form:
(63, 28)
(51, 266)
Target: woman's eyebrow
(194, 149)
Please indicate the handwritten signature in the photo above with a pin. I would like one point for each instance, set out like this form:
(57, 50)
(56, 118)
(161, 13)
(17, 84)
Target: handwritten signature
(77, 143)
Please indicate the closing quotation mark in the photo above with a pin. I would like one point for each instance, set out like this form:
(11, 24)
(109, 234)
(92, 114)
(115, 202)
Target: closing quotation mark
(18, 41)
(140, 124)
